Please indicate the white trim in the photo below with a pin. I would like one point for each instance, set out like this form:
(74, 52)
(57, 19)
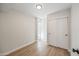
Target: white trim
(6, 53)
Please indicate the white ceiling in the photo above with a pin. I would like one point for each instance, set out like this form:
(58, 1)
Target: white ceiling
(30, 8)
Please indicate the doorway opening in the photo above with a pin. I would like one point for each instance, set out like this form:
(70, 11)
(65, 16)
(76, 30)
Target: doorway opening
(41, 29)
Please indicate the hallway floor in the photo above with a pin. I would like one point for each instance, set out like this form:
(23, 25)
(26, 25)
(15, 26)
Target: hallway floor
(40, 48)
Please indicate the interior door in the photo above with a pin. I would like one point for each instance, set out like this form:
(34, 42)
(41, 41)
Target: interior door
(58, 33)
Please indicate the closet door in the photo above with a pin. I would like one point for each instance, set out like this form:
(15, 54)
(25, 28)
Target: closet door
(58, 32)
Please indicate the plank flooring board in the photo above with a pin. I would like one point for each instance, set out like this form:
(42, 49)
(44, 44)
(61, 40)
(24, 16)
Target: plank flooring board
(40, 49)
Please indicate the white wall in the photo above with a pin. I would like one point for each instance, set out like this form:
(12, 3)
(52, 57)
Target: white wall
(61, 13)
(74, 27)
(16, 30)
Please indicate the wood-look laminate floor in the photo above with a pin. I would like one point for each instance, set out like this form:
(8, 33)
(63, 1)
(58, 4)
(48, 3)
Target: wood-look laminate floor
(40, 48)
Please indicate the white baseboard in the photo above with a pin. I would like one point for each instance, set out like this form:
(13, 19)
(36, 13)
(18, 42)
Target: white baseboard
(6, 53)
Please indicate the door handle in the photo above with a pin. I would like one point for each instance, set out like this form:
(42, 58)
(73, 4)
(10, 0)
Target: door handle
(66, 34)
